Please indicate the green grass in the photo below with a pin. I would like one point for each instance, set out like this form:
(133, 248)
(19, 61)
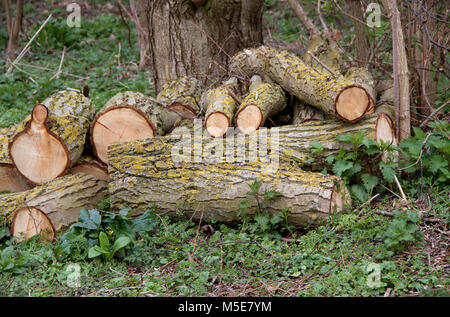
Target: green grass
(176, 258)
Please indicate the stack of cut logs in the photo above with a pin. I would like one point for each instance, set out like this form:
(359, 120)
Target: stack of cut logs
(47, 175)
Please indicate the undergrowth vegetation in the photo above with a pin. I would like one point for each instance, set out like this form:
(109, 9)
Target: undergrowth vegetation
(380, 247)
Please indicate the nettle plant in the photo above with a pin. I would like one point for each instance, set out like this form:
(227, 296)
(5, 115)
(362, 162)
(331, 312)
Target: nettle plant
(370, 167)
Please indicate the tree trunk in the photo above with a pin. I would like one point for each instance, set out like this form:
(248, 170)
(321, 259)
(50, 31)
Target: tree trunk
(336, 95)
(13, 27)
(263, 101)
(52, 138)
(56, 203)
(401, 73)
(361, 41)
(185, 39)
(215, 191)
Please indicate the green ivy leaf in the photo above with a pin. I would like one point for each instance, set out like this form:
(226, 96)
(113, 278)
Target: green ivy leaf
(341, 166)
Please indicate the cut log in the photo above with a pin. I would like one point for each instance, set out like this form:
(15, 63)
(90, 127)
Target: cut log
(52, 138)
(11, 181)
(5, 137)
(324, 49)
(182, 95)
(363, 78)
(291, 144)
(304, 113)
(129, 116)
(220, 107)
(90, 166)
(183, 126)
(215, 191)
(337, 96)
(56, 203)
(263, 101)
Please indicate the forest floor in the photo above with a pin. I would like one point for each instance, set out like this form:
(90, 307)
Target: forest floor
(359, 252)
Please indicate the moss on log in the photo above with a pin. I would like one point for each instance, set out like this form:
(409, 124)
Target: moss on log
(220, 107)
(263, 101)
(58, 201)
(182, 94)
(337, 96)
(216, 190)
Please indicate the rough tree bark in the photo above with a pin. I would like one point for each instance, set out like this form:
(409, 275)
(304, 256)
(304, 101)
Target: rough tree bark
(401, 73)
(361, 42)
(197, 40)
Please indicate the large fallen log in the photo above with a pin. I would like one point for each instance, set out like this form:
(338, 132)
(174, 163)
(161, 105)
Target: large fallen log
(363, 77)
(324, 49)
(220, 107)
(129, 116)
(182, 95)
(263, 101)
(215, 191)
(52, 138)
(50, 207)
(335, 95)
(290, 143)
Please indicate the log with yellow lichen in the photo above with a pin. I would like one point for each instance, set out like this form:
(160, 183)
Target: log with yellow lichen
(335, 95)
(52, 137)
(262, 102)
(291, 143)
(129, 116)
(215, 191)
(48, 208)
(220, 107)
(303, 113)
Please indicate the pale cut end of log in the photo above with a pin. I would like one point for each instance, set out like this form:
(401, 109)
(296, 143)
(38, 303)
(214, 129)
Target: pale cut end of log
(37, 153)
(90, 168)
(249, 118)
(30, 221)
(352, 103)
(339, 198)
(385, 129)
(119, 124)
(217, 124)
(11, 181)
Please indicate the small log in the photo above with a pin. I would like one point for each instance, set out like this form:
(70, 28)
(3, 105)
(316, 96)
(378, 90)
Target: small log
(129, 116)
(90, 166)
(220, 107)
(183, 126)
(52, 206)
(215, 191)
(363, 77)
(337, 96)
(304, 113)
(182, 95)
(52, 138)
(11, 181)
(263, 101)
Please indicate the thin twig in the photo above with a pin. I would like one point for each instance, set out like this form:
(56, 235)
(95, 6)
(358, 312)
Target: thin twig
(25, 49)
(436, 111)
(400, 188)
